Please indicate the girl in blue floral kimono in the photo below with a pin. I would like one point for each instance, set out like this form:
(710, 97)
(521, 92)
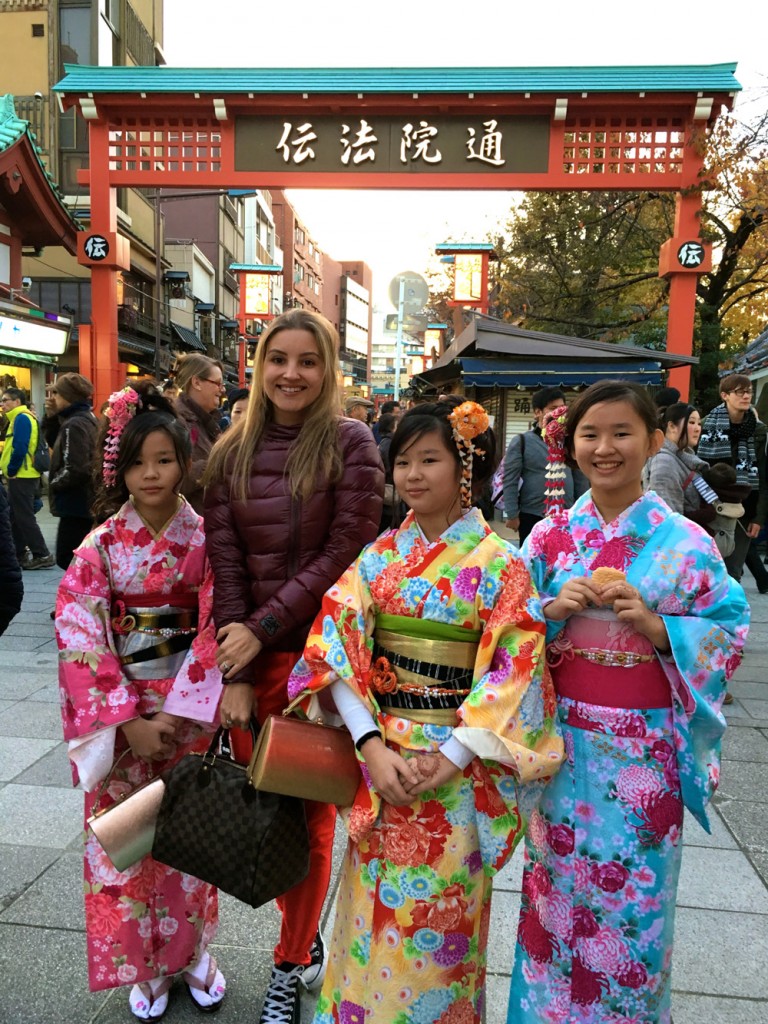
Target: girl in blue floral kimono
(644, 627)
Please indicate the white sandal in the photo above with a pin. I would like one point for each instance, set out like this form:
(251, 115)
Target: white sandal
(148, 1002)
(207, 995)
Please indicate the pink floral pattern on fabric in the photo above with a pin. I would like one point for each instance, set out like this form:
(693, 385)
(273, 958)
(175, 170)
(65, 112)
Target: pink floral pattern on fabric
(603, 849)
(149, 920)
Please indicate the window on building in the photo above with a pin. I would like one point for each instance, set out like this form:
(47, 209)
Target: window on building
(74, 48)
(298, 272)
(300, 236)
(74, 35)
(53, 296)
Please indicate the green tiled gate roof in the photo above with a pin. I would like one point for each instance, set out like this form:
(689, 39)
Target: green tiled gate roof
(686, 78)
(12, 129)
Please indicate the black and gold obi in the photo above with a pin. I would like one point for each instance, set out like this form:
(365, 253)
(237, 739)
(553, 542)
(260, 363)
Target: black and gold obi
(152, 638)
(422, 670)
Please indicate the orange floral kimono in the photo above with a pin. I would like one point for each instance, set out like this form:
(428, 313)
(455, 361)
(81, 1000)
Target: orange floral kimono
(414, 897)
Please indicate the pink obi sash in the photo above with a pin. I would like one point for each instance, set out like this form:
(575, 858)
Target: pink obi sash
(597, 659)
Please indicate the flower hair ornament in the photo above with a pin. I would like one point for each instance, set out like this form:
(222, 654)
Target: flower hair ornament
(467, 421)
(553, 434)
(122, 406)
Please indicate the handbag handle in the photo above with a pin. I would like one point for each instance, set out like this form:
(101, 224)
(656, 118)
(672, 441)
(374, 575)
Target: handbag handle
(295, 702)
(106, 781)
(221, 740)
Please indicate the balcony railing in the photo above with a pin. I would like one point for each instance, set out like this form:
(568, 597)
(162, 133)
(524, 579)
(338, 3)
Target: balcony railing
(35, 110)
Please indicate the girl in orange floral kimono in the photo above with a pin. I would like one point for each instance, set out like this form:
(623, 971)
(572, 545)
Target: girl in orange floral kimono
(138, 676)
(431, 645)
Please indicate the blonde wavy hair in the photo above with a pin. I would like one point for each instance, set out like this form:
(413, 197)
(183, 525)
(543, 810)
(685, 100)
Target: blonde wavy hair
(191, 365)
(316, 453)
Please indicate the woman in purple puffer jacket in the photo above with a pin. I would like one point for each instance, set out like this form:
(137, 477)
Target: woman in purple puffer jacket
(294, 492)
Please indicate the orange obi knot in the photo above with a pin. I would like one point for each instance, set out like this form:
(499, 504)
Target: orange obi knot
(121, 622)
(383, 678)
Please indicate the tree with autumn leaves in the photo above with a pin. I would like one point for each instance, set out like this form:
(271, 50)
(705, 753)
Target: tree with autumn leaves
(586, 263)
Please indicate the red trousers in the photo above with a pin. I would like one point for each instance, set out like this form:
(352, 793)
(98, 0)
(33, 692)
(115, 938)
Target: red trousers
(301, 906)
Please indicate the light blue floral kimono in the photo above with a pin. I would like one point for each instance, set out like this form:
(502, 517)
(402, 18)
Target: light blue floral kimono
(603, 850)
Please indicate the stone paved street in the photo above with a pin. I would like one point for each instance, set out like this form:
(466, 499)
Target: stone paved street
(720, 973)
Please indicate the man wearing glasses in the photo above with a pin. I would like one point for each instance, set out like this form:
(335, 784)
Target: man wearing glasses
(17, 466)
(732, 433)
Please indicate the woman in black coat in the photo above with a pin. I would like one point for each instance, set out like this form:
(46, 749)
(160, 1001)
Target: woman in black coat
(70, 428)
(11, 585)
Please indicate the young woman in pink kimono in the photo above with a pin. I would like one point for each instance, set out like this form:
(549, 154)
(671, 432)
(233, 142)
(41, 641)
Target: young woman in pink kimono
(139, 682)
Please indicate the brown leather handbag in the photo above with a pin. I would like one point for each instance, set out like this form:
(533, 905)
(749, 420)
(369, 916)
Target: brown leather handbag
(126, 828)
(298, 757)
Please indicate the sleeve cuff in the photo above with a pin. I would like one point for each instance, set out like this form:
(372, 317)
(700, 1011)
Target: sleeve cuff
(456, 752)
(356, 716)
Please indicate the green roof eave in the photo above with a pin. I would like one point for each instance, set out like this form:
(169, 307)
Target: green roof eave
(81, 79)
(13, 130)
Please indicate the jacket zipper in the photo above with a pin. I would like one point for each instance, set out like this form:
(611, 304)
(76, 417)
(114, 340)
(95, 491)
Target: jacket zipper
(293, 537)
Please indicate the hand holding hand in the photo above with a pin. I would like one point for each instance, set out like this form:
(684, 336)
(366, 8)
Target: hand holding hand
(434, 769)
(574, 597)
(237, 648)
(150, 739)
(390, 773)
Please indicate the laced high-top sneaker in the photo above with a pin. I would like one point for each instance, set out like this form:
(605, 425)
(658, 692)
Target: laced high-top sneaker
(314, 972)
(281, 1003)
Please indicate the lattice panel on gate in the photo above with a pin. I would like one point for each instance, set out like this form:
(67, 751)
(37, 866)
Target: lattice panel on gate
(168, 145)
(624, 146)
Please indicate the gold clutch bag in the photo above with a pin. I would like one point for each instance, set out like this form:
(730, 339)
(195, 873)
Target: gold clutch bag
(126, 829)
(296, 757)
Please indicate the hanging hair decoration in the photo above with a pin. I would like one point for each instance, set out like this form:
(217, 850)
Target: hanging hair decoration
(122, 406)
(553, 434)
(468, 421)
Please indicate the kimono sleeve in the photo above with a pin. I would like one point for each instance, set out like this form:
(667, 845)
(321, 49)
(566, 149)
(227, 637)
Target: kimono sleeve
(96, 696)
(706, 636)
(340, 642)
(510, 715)
(197, 689)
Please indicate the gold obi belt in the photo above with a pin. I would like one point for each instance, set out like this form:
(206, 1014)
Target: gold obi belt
(422, 670)
(152, 642)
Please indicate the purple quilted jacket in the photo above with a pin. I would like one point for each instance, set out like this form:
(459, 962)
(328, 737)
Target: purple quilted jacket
(273, 556)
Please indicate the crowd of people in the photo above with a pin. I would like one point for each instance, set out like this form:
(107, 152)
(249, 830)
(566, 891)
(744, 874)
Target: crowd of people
(218, 568)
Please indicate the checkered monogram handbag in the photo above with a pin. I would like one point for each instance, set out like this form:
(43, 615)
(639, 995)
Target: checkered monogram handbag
(212, 824)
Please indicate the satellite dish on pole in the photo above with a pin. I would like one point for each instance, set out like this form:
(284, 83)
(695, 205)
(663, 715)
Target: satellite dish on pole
(415, 294)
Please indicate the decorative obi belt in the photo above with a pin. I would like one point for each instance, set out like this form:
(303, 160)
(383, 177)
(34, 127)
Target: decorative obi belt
(154, 632)
(597, 659)
(423, 670)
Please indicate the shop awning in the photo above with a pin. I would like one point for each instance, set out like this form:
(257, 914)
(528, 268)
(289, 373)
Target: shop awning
(187, 337)
(12, 357)
(486, 373)
(134, 345)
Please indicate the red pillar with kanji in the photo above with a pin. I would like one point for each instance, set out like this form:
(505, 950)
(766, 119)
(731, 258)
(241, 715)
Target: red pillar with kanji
(106, 252)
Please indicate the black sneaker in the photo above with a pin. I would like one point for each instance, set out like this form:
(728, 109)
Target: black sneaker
(314, 972)
(41, 562)
(282, 1001)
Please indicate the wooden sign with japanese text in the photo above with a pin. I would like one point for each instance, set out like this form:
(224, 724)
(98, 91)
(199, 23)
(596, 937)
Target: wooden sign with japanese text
(415, 145)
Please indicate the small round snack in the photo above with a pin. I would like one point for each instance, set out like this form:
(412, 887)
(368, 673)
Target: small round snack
(605, 575)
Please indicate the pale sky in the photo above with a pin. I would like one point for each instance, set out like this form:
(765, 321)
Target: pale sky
(396, 231)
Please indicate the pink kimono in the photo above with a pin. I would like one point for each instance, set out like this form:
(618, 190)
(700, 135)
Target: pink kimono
(133, 623)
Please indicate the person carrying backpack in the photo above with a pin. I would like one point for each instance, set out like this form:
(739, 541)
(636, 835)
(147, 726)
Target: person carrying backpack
(525, 465)
(18, 466)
